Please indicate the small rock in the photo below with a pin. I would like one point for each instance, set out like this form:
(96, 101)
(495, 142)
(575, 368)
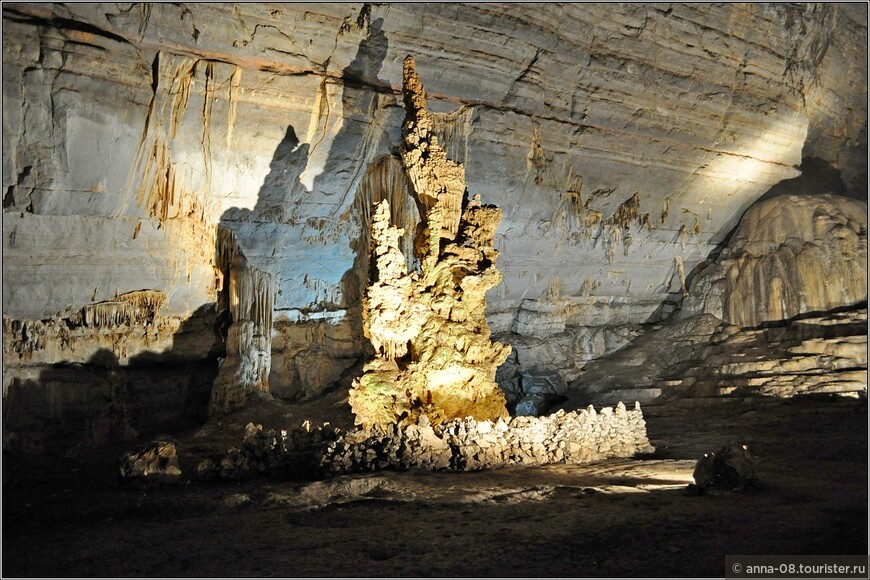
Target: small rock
(206, 470)
(732, 467)
(155, 465)
(235, 501)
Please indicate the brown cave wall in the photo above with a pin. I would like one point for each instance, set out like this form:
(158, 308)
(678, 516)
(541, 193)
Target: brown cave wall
(622, 149)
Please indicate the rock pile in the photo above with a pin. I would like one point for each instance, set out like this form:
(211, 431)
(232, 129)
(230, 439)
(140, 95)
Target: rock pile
(290, 454)
(156, 464)
(459, 445)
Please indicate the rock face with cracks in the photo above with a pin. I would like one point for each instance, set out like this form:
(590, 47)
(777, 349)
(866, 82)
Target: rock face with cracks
(781, 311)
(429, 329)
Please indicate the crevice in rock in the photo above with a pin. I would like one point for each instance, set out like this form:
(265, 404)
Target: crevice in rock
(60, 23)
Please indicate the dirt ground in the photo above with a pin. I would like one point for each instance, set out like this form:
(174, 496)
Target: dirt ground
(625, 518)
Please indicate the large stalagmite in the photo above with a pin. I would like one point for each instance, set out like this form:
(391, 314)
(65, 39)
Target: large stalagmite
(434, 356)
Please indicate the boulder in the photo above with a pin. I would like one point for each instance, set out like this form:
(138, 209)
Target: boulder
(156, 464)
(732, 467)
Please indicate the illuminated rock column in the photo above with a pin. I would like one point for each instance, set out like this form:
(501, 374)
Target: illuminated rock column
(434, 355)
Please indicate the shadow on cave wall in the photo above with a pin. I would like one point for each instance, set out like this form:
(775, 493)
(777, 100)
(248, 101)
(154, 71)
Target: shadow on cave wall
(283, 191)
(104, 403)
(817, 176)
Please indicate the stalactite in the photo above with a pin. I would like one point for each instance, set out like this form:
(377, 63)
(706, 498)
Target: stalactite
(453, 130)
(248, 296)
(570, 213)
(612, 240)
(233, 102)
(386, 179)
(251, 294)
(535, 158)
(627, 213)
(120, 316)
(207, 105)
(647, 221)
(681, 275)
(593, 218)
(226, 247)
(180, 89)
(225, 251)
(261, 301)
(326, 294)
(129, 309)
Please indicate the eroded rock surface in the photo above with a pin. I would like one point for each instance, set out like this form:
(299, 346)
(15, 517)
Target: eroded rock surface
(781, 311)
(157, 464)
(825, 353)
(790, 255)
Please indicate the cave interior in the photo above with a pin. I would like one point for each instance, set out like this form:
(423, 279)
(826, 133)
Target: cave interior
(433, 289)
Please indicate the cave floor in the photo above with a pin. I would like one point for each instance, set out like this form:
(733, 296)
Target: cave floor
(624, 518)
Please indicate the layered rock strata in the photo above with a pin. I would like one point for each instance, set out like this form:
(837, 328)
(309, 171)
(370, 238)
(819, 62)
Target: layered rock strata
(815, 354)
(77, 334)
(127, 367)
(458, 445)
(148, 125)
(434, 357)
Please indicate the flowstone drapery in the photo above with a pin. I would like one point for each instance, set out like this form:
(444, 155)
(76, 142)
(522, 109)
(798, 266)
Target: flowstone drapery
(433, 352)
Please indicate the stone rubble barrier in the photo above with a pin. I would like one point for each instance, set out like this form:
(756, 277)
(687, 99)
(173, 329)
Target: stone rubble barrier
(575, 437)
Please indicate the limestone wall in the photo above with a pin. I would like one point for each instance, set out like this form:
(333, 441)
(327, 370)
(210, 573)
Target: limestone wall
(619, 142)
(148, 125)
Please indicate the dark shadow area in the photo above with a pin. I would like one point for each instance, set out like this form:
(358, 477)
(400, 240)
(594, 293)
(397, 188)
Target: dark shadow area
(817, 176)
(569, 520)
(72, 408)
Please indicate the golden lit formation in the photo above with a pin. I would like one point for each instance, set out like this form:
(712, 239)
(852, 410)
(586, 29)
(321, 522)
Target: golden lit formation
(429, 330)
